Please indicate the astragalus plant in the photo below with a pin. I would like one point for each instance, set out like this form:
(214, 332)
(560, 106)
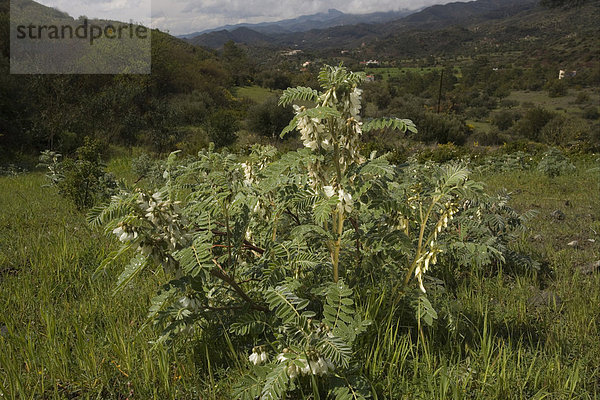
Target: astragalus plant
(275, 248)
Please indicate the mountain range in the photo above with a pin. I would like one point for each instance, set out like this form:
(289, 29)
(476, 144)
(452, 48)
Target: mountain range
(325, 30)
(305, 23)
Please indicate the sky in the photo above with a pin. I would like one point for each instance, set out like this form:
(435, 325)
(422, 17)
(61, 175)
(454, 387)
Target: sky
(186, 16)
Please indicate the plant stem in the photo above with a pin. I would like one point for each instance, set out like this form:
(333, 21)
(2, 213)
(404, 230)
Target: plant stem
(420, 244)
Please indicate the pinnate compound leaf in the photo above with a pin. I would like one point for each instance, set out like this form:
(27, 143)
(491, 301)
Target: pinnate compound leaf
(299, 93)
(135, 266)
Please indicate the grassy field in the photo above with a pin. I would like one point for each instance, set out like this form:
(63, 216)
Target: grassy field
(525, 100)
(561, 104)
(257, 94)
(392, 72)
(64, 335)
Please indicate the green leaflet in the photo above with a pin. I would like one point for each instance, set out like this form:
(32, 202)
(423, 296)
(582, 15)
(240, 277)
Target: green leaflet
(276, 383)
(338, 312)
(298, 94)
(250, 386)
(317, 112)
(286, 304)
(135, 266)
(424, 310)
(252, 323)
(398, 124)
(336, 350)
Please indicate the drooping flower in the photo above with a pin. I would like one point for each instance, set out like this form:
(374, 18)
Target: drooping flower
(258, 356)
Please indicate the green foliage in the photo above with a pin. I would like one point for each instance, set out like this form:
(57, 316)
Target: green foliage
(268, 119)
(556, 88)
(442, 153)
(425, 311)
(562, 3)
(503, 119)
(278, 249)
(390, 123)
(221, 127)
(532, 122)
(555, 163)
(83, 180)
(291, 95)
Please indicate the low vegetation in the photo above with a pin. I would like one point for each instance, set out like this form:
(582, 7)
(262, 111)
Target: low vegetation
(326, 272)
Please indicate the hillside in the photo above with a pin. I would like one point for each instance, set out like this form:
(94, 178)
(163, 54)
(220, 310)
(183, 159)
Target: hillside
(554, 35)
(57, 111)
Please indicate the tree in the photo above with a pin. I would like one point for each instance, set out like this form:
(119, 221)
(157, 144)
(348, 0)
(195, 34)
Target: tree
(268, 118)
(221, 127)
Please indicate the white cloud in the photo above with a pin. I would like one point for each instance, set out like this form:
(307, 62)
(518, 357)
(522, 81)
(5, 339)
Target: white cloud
(185, 16)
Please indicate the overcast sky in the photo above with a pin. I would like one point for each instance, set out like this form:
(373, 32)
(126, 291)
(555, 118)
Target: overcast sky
(186, 16)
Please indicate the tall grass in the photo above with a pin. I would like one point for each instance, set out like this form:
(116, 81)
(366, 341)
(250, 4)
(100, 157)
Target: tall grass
(63, 335)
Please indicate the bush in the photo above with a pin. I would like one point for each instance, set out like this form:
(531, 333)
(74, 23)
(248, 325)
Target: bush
(442, 128)
(81, 180)
(503, 119)
(442, 153)
(591, 112)
(556, 88)
(268, 119)
(555, 163)
(278, 251)
(221, 127)
(531, 124)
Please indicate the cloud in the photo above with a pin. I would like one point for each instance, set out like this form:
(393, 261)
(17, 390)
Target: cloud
(185, 16)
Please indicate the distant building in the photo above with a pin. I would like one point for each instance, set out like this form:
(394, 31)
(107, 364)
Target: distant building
(291, 52)
(562, 74)
(370, 63)
(370, 78)
(306, 64)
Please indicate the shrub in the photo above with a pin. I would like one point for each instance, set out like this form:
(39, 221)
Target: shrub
(555, 163)
(591, 112)
(442, 153)
(556, 88)
(277, 249)
(81, 180)
(268, 119)
(221, 127)
(532, 122)
(442, 128)
(503, 119)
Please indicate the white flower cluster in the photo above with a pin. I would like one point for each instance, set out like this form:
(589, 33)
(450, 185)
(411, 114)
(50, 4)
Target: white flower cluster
(189, 303)
(423, 262)
(125, 232)
(165, 215)
(446, 217)
(430, 257)
(258, 356)
(345, 132)
(166, 232)
(345, 198)
(248, 174)
(313, 132)
(317, 365)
